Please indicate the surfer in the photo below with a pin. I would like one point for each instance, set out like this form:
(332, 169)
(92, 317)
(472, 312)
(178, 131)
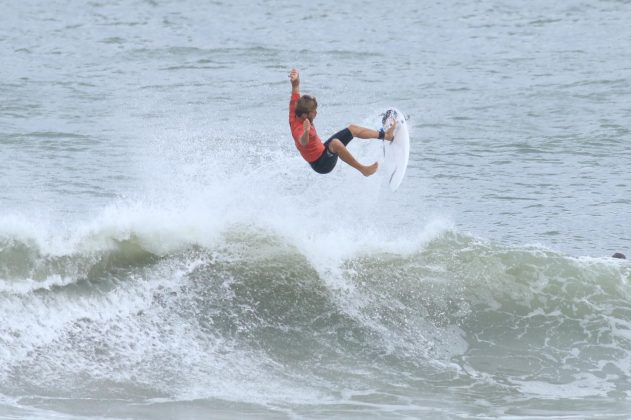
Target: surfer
(323, 156)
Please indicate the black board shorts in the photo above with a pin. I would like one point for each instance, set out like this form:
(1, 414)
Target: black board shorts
(327, 160)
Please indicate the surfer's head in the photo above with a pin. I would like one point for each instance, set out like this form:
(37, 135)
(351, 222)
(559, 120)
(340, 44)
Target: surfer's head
(306, 105)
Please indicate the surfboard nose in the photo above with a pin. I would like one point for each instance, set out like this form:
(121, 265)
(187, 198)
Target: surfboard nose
(386, 115)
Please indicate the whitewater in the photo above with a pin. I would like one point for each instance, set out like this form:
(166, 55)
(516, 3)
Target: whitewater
(166, 253)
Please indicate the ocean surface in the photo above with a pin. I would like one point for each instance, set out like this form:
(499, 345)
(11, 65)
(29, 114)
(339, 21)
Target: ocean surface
(166, 253)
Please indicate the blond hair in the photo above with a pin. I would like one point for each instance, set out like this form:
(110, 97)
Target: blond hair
(305, 105)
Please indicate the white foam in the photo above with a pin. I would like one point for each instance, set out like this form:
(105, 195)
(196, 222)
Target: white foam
(28, 285)
(584, 385)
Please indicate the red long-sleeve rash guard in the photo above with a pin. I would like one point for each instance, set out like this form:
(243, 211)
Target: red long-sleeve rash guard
(314, 148)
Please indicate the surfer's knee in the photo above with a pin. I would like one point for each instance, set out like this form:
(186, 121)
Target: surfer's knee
(354, 129)
(335, 145)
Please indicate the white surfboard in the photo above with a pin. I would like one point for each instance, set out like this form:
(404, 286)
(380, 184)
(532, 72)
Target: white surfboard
(396, 153)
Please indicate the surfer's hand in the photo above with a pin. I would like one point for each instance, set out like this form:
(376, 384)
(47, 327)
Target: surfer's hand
(294, 77)
(306, 126)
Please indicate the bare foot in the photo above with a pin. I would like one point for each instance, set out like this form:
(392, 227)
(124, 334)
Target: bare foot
(370, 169)
(389, 135)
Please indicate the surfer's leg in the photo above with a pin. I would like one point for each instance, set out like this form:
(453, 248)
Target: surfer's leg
(369, 133)
(337, 147)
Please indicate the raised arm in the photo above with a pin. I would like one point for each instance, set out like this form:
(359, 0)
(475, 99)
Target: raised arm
(295, 94)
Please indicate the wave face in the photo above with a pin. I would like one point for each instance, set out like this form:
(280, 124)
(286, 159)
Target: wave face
(251, 318)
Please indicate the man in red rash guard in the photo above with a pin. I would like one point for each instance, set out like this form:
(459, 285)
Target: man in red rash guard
(323, 156)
